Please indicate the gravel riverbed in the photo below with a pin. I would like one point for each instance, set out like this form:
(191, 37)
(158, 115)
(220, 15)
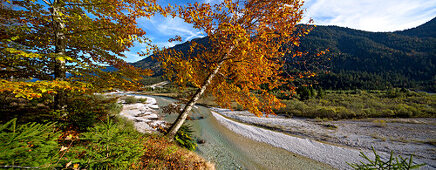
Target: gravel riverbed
(304, 136)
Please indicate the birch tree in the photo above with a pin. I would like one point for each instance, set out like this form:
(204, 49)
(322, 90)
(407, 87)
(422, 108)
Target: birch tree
(243, 59)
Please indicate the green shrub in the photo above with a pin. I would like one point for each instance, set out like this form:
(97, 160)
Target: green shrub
(107, 146)
(130, 100)
(393, 162)
(86, 110)
(342, 112)
(114, 108)
(363, 105)
(387, 113)
(28, 145)
(304, 92)
(133, 100)
(142, 100)
(379, 123)
(185, 138)
(402, 110)
(327, 112)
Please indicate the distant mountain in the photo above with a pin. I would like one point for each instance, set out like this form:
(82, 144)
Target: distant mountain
(366, 60)
(152, 64)
(376, 60)
(425, 30)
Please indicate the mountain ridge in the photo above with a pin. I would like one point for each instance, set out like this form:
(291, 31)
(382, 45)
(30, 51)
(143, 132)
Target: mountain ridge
(365, 60)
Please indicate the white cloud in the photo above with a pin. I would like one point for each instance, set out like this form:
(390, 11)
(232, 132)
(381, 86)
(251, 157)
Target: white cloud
(166, 44)
(176, 26)
(371, 15)
(159, 30)
(132, 56)
(213, 1)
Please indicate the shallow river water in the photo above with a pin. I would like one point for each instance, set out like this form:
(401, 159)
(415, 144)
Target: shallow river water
(229, 150)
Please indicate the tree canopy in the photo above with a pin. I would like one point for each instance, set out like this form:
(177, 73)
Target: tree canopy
(46, 40)
(243, 58)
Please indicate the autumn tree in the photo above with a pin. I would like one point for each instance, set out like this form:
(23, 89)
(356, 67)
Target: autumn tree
(47, 39)
(243, 59)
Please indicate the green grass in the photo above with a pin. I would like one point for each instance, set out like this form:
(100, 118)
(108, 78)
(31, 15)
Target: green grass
(365, 104)
(335, 104)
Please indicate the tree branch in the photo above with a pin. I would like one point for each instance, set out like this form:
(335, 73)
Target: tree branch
(48, 3)
(98, 29)
(89, 4)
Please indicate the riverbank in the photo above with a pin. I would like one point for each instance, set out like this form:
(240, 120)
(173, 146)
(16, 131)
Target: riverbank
(229, 150)
(143, 112)
(239, 136)
(302, 136)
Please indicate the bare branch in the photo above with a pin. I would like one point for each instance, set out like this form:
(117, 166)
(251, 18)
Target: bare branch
(89, 4)
(48, 3)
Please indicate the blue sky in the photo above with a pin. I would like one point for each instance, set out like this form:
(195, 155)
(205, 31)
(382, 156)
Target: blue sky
(368, 15)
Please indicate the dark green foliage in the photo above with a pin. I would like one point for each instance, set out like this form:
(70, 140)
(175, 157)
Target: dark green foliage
(320, 93)
(368, 60)
(307, 92)
(31, 144)
(398, 163)
(304, 92)
(185, 138)
(37, 110)
(425, 30)
(85, 110)
(107, 146)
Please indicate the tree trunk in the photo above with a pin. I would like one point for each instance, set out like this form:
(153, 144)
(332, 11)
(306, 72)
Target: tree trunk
(184, 114)
(60, 46)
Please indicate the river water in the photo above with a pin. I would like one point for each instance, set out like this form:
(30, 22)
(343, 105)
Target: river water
(229, 150)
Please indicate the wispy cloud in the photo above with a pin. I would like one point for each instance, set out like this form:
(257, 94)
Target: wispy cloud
(176, 26)
(132, 56)
(371, 15)
(213, 1)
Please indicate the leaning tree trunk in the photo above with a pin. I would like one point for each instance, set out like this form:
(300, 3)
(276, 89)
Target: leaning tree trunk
(184, 114)
(60, 45)
(188, 107)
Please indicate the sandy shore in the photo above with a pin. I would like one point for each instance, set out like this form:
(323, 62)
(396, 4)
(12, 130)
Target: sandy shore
(335, 155)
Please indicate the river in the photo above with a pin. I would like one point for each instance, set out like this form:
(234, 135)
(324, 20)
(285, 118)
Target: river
(229, 150)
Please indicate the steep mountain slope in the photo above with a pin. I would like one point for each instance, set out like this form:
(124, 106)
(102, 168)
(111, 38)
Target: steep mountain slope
(376, 60)
(425, 30)
(152, 64)
(366, 60)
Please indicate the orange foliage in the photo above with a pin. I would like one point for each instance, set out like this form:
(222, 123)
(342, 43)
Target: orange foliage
(159, 153)
(247, 39)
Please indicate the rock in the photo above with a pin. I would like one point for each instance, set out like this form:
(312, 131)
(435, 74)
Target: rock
(151, 116)
(201, 141)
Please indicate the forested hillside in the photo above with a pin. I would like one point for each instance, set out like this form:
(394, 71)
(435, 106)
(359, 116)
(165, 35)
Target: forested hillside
(376, 60)
(366, 60)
